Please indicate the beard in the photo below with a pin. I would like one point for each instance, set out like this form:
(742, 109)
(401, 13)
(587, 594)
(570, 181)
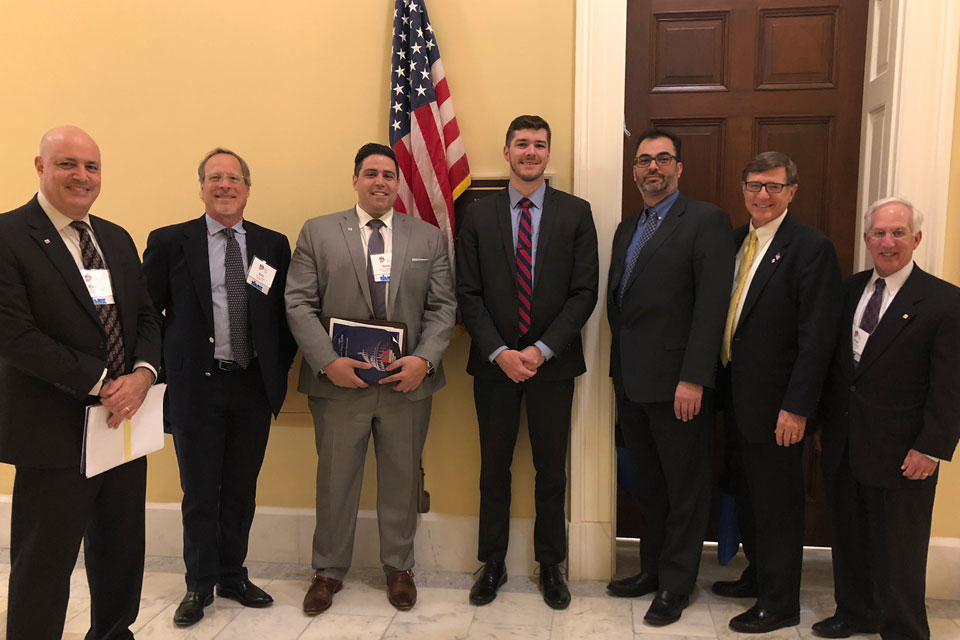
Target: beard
(665, 185)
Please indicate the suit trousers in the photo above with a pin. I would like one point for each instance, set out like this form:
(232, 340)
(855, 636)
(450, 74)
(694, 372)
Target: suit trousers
(53, 509)
(880, 542)
(671, 471)
(770, 509)
(220, 453)
(342, 428)
(548, 422)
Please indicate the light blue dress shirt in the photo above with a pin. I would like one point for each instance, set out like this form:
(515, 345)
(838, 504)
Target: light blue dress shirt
(217, 254)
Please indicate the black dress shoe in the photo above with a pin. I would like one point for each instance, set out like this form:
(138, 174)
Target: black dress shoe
(666, 608)
(837, 627)
(484, 590)
(741, 588)
(757, 620)
(634, 586)
(555, 592)
(246, 593)
(191, 607)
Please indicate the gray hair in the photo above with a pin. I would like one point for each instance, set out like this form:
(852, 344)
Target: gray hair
(244, 169)
(916, 216)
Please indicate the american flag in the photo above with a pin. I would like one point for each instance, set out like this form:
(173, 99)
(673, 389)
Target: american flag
(423, 129)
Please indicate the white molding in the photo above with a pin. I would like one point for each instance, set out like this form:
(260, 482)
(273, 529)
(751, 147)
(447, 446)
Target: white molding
(921, 112)
(601, 36)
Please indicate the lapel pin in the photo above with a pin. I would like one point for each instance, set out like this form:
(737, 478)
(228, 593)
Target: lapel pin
(46, 241)
(349, 228)
(906, 315)
(775, 258)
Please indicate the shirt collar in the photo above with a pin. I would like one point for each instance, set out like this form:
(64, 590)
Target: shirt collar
(60, 221)
(894, 281)
(662, 207)
(386, 219)
(214, 227)
(770, 229)
(536, 197)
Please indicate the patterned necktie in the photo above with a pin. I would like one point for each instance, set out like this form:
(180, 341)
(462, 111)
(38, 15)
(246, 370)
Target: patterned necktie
(649, 228)
(525, 264)
(237, 301)
(871, 313)
(378, 290)
(109, 317)
(746, 260)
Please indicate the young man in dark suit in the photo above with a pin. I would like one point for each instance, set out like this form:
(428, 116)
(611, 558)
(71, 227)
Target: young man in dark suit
(226, 353)
(62, 349)
(892, 412)
(527, 273)
(777, 343)
(670, 271)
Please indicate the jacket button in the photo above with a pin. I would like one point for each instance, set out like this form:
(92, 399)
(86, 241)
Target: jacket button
(211, 340)
(853, 387)
(206, 373)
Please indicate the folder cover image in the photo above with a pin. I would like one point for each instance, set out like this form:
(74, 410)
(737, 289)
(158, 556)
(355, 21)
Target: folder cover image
(377, 343)
(105, 448)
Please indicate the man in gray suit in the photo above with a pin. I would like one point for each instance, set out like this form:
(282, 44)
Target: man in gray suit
(332, 275)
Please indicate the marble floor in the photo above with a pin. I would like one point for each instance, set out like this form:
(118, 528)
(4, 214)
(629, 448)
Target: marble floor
(361, 611)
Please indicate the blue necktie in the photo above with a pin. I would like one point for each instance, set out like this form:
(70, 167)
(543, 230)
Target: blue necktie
(649, 228)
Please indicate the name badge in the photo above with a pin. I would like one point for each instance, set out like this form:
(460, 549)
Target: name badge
(380, 263)
(860, 338)
(261, 275)
(98, 284)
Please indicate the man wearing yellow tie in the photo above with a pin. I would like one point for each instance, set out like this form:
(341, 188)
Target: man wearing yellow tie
(778, 339)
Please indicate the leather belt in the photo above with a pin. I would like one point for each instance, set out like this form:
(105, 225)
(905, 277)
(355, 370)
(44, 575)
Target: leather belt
(228, 365)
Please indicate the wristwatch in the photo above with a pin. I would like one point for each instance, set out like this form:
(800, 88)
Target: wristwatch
(430, 369)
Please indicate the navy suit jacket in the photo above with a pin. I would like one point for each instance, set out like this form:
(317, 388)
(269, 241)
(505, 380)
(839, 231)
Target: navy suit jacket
(905, 393)
(783, 343)
(177, 269)
(52, 344)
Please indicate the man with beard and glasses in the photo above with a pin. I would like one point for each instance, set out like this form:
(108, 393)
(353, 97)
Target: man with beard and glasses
(668, 290)
(527, 273)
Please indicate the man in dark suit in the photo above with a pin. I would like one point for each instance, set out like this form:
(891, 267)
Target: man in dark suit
(777, 343)
(64, 347)
(219, 280)
(892, 412)
(527, 271)
(336, 272)
(669, 271)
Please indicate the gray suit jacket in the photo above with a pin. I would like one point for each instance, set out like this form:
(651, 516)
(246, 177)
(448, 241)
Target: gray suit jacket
(328, 277)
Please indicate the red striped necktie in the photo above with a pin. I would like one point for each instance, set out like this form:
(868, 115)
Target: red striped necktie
(525, 264)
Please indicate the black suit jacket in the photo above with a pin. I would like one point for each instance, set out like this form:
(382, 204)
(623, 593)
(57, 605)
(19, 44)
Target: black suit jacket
(784, 340)
(52, 344)
(675, 303)
(905, 393)
(177, 268)
(565, 283)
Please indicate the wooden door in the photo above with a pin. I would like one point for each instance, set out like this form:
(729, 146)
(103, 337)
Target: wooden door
(733, 78)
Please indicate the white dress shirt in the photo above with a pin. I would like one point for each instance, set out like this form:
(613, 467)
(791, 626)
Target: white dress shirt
(386, 232)
(764, 237)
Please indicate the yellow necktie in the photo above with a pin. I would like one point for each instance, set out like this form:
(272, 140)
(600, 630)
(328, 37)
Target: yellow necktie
(745, 262)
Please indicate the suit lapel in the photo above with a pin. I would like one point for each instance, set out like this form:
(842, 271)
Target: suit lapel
(256, 248)
(198, 263)
(502, 208)
(350, 227)
(898, 315)
(46, 235)
(401, 240)
(618, 255)
(770, 261)
(670, 222)
(548, 221)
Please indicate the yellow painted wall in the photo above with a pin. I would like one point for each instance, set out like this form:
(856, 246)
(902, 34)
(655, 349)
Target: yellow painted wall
(946, 512)
(295, 87)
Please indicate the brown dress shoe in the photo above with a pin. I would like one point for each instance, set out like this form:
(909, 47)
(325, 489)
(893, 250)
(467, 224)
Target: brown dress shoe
(401, 591)
(320, 594)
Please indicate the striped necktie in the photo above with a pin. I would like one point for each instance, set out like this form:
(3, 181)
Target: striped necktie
(525, 264)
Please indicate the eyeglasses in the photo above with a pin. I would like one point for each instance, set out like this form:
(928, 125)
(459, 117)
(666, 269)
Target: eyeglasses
(880, 234)
(663, 160)
(771, 187)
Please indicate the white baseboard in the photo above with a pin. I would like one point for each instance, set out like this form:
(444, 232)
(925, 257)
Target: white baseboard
(444, 543)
